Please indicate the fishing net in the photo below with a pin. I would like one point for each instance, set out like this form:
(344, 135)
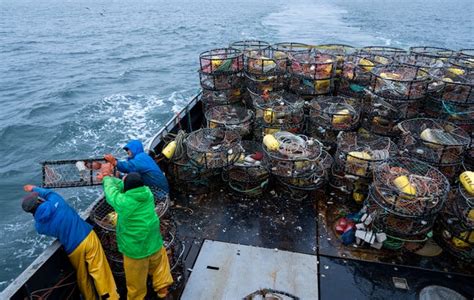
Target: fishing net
(262, 85)
(249, 45)
(229, 117)
(225, 97)
(452, 84)
(72, 173)
(358, 155)
(293, 155)
(391, 52)
(435, 52)
(213, 148)
(265, 62)
(221, 61)
(384, 114)
(409, 187)
(220, 82)
(247, 175)
(399, 82)
(331, 114)
(434, 141)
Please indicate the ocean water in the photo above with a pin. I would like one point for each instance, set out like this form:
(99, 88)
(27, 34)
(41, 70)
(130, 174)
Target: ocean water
(79, 78)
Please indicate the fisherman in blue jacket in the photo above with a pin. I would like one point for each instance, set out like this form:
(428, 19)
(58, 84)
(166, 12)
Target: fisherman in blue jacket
(140, 162)
(54, 217)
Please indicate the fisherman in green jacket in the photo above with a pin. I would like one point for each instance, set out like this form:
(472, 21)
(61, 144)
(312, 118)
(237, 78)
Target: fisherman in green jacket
(138, 235)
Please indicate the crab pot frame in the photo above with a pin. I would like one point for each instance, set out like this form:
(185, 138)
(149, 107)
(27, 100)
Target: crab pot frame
(330, 115)
(340, 51)
(463, 62)
(434, 141)
(311, 87)
(213, 148)
(354, 190)
(262, 129)
(409, 228)
(230, 117)
(296, 156)
(287, 110)
(221, 60)
(409, 188)
(190, 178)
(454, 237)
(384, 114)
(460, 114)
(452, 84)
(225, 97)
(399, 82)
(266, 98)
(435, 52)
(466, 52)
(287, 191)
(265, 62)
(357, 156)
(463, 207)
(247, 175)
(249, 45)
(221, 81)
(391, 52)
(291, 48)
(71, 173)
(313, 65)
(261, 85)
(418, 61)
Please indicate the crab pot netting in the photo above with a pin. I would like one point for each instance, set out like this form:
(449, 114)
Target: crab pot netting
(314, 179)
(248, 175)
(213, 147)
(345, 186)
(356, 71)
(219, 61)
(384, 114)
(466, 53)
(249, 45)
(399, 82)
(460, 114)
(398, 226)
(452, 84)
(262, 129)
(434, 141)
(264, 84)
(463, 207)
(358, 155)
(188, 177)
(435, 52)
(284, 110)
(409, 187)
(221, 82)
(225, 97)
(230, 117)
(392, 52)
(295, 156)
(291, 48)
(424, 62)
(463, 62)
(265, 62)
(454, 237)
(339, 51)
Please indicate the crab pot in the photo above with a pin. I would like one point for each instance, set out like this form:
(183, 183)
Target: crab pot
(287, 191)
(311, 87)
(222, 60)
(353, 190)
(71, 173)
(291, 48)
(452, 84)
(391, 52)
(291, 155)
(330, 115)
(225, 97)
(266, 62)
(262, 129)
(340, 51)
(267, 98)
(262, 85)
(423, 62)
(399, 82)
(248, 176)
(230, 117)
(434, 141)
(435, 52)
(356, 72)
(384, 114)
(403, 227)
(466, 52)
(249, 45)
(409, 188)
(463, 62)
(357, 155)
(455, 237)
(212, 148)
(188, 178)
(288, 109)
(221, 81)
(461, 114)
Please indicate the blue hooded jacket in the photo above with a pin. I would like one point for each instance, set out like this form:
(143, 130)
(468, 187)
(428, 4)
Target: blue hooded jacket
(56, 218)
(145, 165)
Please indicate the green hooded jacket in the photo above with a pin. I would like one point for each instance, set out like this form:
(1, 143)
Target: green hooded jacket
(138, 226)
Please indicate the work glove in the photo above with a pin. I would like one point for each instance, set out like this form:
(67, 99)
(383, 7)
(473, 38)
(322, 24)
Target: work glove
(111, 159)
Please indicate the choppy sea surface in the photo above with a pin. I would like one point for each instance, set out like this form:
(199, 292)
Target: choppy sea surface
(79, 78)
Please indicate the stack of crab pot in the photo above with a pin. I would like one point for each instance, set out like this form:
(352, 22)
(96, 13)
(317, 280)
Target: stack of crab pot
(404, 201)
(454, 228)
(356, 158)
(221, 76)
(298, 163)
(439, 143)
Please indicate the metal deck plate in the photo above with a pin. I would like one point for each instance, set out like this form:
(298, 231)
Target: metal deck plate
(231, 271)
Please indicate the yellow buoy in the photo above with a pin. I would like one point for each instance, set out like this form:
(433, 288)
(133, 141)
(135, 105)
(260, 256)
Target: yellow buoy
(404, 185)
(467, 180)
(341, 116)
(456, 71)
(360, 160)
(112, 218)
(271, 142)
(390, 75)
(269, 116)
(470, 215)
(321, 86)
(458, 243)
(168, 151)
(366, 64)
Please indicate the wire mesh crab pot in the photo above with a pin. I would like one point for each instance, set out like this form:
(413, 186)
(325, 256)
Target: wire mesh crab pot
(452, 84)
(229, 117)
(213, 148)
(347, 187)
(266, 62)
(399, 82)
(435, 52)
(434, 141)
(262, 129)
(221, 82)
(391, 52)
(249, 45)
(357, 156)
(355, 76)
(466, 52)
(248, 176)
(418, 61)
(410, 188)
(291, 48)
(330, 115)
(284, 110)
(463, 62)
(225, 97)
(222, 60)
(263, 85)
(460, 114)
(340, 51)
(384, 114)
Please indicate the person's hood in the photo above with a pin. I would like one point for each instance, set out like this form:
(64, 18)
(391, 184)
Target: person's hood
(45, 211)
(139, 194)
(135, 146)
